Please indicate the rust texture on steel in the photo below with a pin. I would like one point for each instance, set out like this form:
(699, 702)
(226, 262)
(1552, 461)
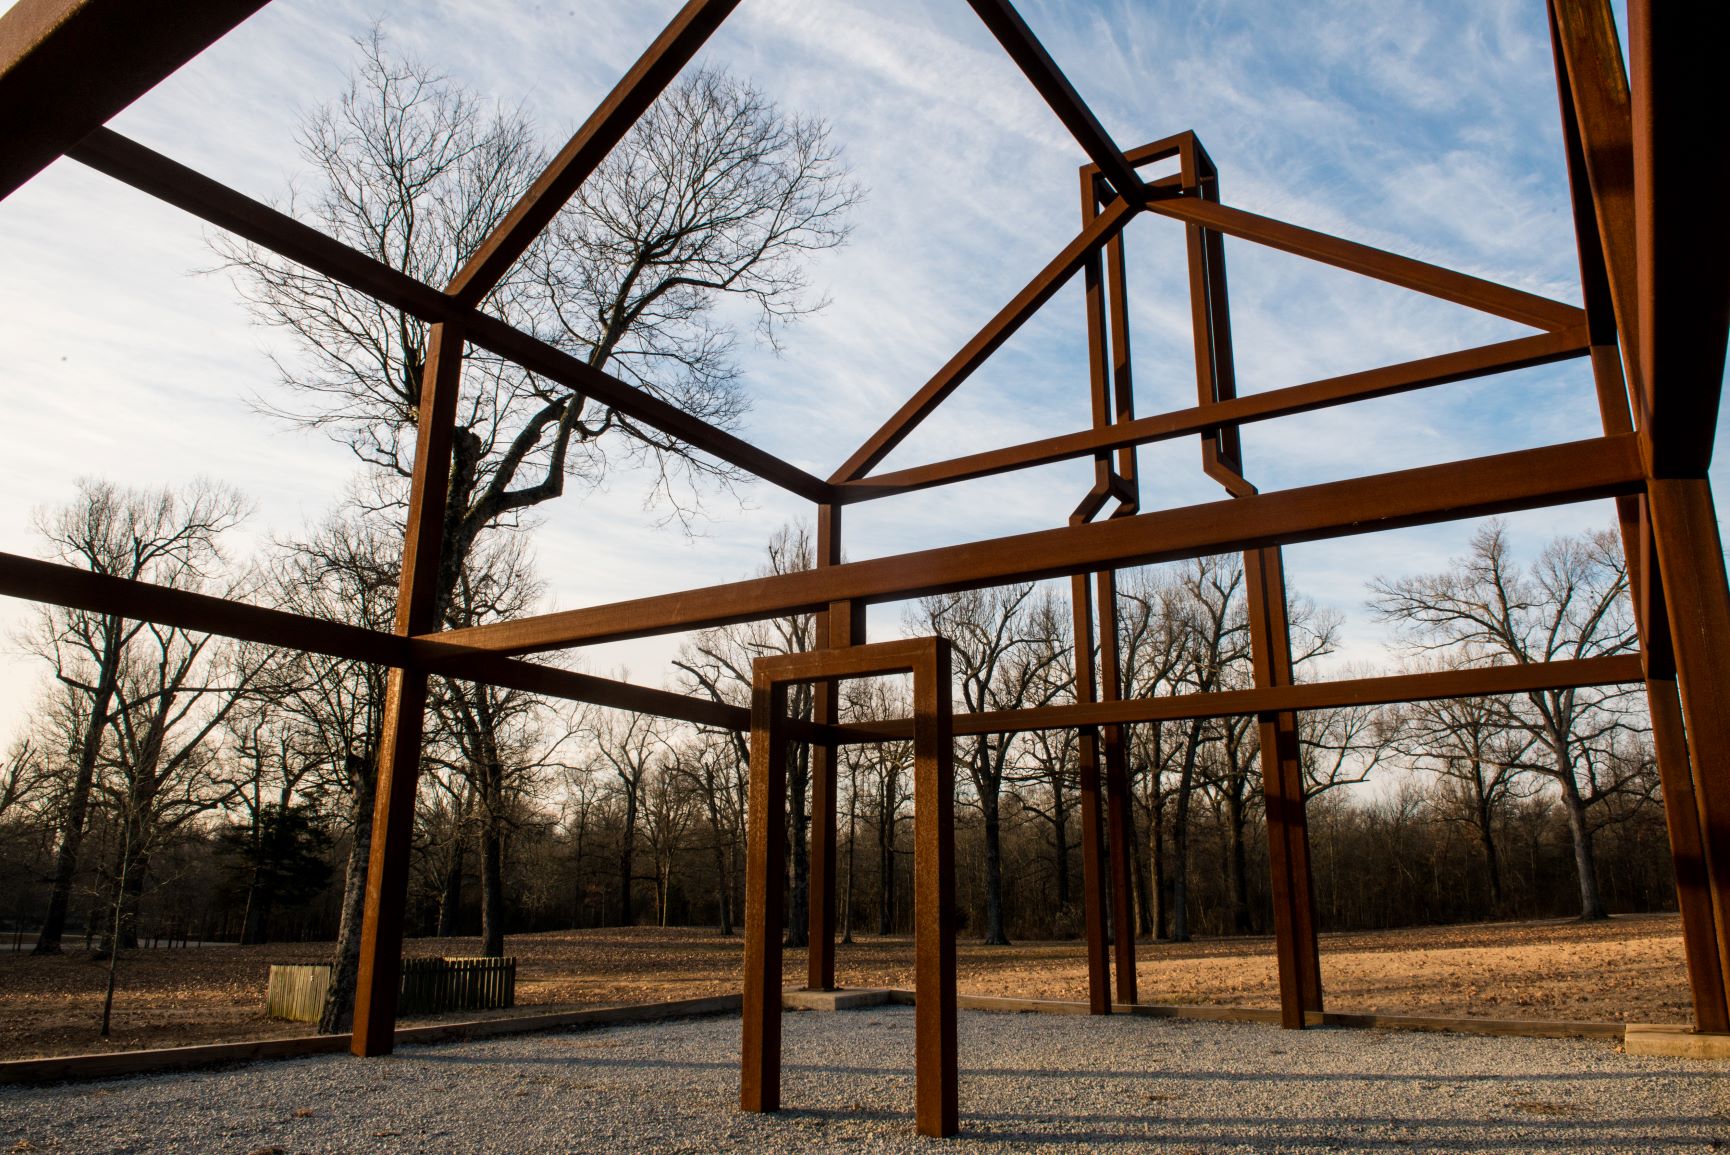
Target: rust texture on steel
(1646, 169)
(935, 1065)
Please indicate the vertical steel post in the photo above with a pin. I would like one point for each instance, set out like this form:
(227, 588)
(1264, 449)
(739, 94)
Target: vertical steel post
(380, 972)
(1117, 817)
(1598, 130)
(936, 1108)
(1283, 795)
(1293, 889)
(765, 858)
(1092, 829)
(842, 624)
(1095, 817)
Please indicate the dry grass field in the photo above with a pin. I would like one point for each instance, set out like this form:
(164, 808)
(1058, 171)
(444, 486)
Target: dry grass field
(1626, 969)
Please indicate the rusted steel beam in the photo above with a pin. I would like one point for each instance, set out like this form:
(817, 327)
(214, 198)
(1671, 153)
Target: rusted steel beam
(79, 589)
(1681, 120)
(999, 329)
(1593, 96)
(1093, 861)
(1691, 560)
(842, 624)
(1598, 133)
(936, 1107)
(1036, 64)
(606, 126)
(1283, 793)
(67, 66)
(1678, 102)
(1466, 365)
(1461, 288)
(1114, 744)
(417, 611)
(1554, 475)
(765, 856)
(1473, 682)
(150, 172)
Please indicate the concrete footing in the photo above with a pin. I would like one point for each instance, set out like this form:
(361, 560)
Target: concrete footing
(1674, 1042)
(838, 1000)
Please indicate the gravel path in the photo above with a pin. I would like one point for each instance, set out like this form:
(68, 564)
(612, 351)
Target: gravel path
(1029, 1082)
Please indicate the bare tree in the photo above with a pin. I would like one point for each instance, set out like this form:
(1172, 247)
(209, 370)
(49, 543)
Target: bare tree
(714, 193)
(161, 536)
(1476, 758)
(174, 696)
(1006, 643)
(1572, 602)
(345, 571)
(627, 745)
(717, 663)
(500, 735)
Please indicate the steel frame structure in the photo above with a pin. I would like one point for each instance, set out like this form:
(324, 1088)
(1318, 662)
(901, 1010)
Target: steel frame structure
(1655, 276)
(936, 1110)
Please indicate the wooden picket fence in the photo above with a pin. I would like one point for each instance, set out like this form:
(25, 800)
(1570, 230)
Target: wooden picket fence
(430, 986)
(297, 992)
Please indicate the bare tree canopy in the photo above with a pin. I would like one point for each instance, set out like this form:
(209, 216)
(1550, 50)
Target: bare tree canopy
(714, 194)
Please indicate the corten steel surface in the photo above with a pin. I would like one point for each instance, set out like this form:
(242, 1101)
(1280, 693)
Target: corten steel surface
(1646, 170)
(1291, 889)
(935, 1070)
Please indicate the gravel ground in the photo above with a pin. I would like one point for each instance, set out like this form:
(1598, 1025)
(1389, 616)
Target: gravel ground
(1028, 1082)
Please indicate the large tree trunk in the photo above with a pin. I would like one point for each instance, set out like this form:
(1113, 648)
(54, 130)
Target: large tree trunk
(1492, 858)
(451, 900)
(338, 1013)
(1060, 840)
(988, 787)
(492, 886)
(1239, 864)
(799, 896)
(1138, 878)
(1585, 860)
(1180, 837)
(77, 810)
(1156, 842)
(886, 858)
(628, 859)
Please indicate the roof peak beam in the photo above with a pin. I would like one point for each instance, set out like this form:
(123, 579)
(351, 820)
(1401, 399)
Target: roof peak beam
(606, 126)
(67, 67)
(1029, 55)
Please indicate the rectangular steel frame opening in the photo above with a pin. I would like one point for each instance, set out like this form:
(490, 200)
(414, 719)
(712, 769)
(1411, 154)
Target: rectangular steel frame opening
(927, 659)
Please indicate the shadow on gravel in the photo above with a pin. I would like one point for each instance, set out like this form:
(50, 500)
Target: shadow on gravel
(1152, 1074)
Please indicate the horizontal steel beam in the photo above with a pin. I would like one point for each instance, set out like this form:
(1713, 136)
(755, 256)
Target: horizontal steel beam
(80, 589)
(1433, 280)
(1520, 353)
(148, 171)
(1554, 475)
(1477, 681)
(67, 66)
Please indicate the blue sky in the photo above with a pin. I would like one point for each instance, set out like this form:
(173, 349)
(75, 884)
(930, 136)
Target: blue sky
(1425, 128)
